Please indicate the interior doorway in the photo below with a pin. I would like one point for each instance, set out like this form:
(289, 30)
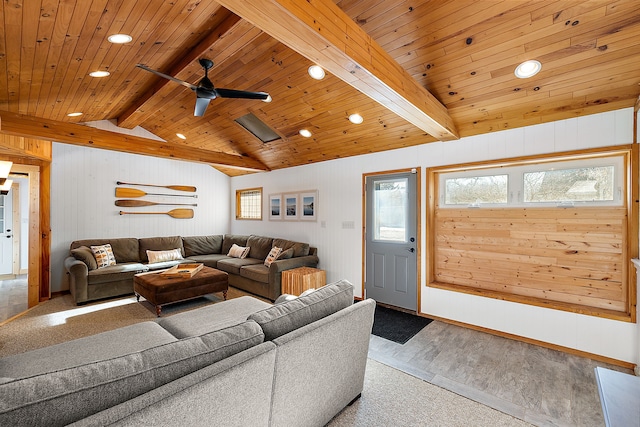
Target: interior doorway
(391, 238)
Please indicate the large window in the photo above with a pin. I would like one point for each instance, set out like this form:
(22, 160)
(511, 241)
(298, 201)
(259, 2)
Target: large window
(557, 232)
(591, 181)
(249, 203)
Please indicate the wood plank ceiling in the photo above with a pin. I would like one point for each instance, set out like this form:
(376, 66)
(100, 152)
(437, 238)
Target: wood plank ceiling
(463, 52)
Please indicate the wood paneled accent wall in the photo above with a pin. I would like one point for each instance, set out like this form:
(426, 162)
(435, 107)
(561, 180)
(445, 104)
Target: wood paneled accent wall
(575, 259)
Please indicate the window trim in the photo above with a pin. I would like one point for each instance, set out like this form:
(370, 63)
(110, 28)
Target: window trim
(239, 193)
(630, 196)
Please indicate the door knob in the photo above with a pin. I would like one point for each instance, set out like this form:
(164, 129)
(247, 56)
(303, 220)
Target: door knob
(8, 237)
(411, 250)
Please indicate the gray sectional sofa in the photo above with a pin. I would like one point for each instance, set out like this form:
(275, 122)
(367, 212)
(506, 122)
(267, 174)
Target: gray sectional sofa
(89, 283)
(241, 362)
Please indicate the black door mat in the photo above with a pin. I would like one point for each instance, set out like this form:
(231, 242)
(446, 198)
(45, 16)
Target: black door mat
(397, 326)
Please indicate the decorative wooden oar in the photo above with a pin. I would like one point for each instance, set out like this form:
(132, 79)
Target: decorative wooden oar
(171, 187)
(132, 192)
(175, 213)
(138, 203)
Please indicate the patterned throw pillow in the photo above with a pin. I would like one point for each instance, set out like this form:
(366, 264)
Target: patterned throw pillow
(238, 251)
(162, 256)
(104, 255)
(273, 255)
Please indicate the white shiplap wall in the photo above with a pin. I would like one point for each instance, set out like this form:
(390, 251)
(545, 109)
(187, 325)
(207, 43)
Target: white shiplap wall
(339, 184)
(83, 182)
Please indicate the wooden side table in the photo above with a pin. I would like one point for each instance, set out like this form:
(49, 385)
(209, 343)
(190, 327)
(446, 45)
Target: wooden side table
(298, 280)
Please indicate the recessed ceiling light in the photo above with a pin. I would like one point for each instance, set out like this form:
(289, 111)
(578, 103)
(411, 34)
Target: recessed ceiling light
(316, 72)
(99, 73)
(356, 119)
(268, 99)
(305, 133)
(76, 114)
(181, 136)
(120, 38)
(528, 69)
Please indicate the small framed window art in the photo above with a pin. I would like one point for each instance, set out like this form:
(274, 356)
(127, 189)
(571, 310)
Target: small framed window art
(290, 206)
(275, 207)
(308, 205)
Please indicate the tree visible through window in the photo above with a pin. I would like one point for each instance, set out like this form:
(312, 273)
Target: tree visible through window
(249, 203)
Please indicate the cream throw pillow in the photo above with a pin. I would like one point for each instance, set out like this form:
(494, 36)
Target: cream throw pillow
(162, 256)
(238, 251)
(273, 255)
(103, 255)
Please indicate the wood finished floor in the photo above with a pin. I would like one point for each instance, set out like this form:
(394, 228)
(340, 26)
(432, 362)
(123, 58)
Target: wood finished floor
(13, 297)
(541, 386)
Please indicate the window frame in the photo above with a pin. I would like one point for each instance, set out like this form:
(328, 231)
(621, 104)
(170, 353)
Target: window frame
(239, 195)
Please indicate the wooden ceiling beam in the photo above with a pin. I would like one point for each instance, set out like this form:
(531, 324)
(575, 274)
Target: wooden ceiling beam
(85, 136)
(320, 31)
(152, 100)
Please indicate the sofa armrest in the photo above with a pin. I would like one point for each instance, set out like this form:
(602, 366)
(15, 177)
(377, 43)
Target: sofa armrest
(277, 267)
(78, 284)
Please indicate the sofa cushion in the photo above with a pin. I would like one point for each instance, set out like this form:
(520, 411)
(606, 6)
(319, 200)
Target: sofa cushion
(230, 239)
(299, 249)
(85, 255)
(125, 249)
(273, 255)
(257, 272)
(115, 273)
(210, 260)
(104, 255)
(212, 317)
(158, 244)
(283, 318)
(162, 256)
(68, 395)
(286, 254)
(202, 245)
(260, 246)
(233, 265)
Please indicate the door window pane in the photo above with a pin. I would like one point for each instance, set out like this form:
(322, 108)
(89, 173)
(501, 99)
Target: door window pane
(391, 201)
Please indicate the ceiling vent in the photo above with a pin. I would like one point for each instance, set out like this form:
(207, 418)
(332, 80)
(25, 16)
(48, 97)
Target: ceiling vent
(257, 127)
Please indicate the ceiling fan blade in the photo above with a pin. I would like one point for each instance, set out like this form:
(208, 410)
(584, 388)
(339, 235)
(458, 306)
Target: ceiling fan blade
(201, 106)
(232, 93)
(166, 76)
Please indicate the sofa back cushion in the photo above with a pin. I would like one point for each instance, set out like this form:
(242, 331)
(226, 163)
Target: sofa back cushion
(231, 239)
(158, 244)
(202, 245)
(124, 249)
(283, 318)
(54, 398)
(299, 249)
(259, 246)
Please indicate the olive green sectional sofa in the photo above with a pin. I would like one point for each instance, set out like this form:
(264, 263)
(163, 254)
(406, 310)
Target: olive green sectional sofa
(89, 283)
(241, 362)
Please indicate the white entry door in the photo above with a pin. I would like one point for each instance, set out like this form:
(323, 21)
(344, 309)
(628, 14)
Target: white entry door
(6, 234)
(391, 226)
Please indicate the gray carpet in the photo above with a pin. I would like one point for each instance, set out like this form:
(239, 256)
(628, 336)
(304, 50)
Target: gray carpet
(390, 396)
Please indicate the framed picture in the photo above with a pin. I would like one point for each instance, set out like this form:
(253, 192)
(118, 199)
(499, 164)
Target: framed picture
(290, 202)
(275, 207)
(308, 205)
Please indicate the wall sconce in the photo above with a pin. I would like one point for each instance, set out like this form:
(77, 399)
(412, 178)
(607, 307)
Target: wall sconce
(5, 168)
(4, 188)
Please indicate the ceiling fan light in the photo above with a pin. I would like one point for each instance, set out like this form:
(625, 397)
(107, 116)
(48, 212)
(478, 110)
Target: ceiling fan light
(76, 114)
(99, 73)
(316, 72)
(4, 188)
(305, 132)
(181, 136)
(267, 99)
(356, 119)
(119, 38)
(528, 69)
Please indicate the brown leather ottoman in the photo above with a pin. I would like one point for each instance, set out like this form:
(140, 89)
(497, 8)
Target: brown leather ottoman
(160, 290)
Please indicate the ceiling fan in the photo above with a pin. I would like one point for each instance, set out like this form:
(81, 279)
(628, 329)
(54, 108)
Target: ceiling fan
(205, 91)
